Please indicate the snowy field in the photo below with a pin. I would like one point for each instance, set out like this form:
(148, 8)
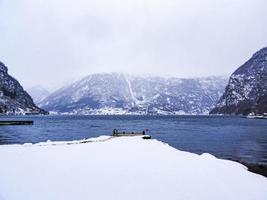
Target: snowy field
(121, 169)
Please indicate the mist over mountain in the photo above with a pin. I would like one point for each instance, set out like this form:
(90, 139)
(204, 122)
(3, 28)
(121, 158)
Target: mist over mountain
(246, 92)
(38, 93)
(114, 93)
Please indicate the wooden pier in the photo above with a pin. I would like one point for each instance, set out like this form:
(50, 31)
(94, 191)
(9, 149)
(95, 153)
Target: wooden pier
(11, 123)
(117, 133)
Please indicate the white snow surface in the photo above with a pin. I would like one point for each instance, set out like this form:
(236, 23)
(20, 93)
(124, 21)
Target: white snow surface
(124, 168)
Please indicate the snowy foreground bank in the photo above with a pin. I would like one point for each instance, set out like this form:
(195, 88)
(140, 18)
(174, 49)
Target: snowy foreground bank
(121, 169)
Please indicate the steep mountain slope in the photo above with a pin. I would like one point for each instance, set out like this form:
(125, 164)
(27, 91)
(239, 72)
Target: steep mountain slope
(246, 92)
(123, 94)
(13, 99)
(38, 93)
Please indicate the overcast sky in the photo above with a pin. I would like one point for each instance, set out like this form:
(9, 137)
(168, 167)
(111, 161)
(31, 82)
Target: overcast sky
(48, 42)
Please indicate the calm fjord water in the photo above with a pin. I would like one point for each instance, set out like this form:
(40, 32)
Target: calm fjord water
(225, 137)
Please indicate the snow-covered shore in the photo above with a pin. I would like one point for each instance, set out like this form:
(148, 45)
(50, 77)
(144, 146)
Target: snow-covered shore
(121, 169)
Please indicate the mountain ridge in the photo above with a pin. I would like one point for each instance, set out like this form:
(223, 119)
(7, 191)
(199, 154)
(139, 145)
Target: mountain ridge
(117, 93)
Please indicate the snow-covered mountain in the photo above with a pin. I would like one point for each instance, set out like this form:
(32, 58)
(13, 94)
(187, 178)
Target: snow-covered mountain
(124, 94)
(38, 93)
(246, 92)
(13, 98)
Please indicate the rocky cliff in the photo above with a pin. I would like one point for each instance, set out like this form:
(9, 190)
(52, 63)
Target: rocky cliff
(246, 92)
(13, 98)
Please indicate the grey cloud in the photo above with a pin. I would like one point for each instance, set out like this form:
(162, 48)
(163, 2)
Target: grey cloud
(50, 41)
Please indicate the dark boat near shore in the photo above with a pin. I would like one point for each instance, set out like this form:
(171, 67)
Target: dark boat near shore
(20, 122)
